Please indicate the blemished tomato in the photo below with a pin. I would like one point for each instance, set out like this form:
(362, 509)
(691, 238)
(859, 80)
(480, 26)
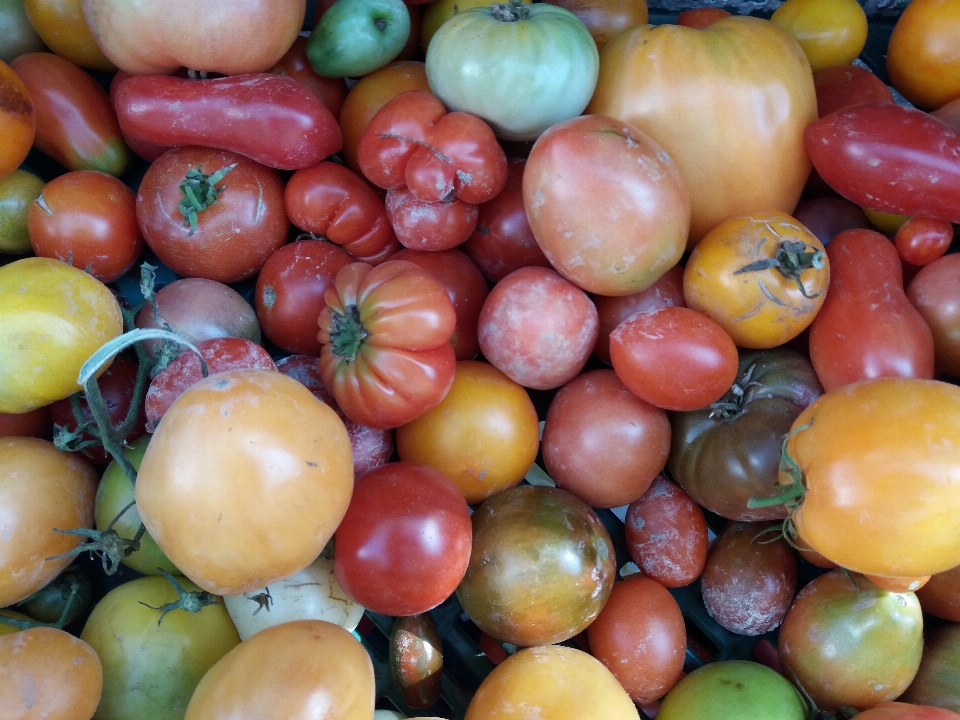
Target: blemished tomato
(606, 19)
(674, 357)
(235, 224)
(762, 277)
(48, 673)
(286, 671)
(245, 454)
(17, 120)
(921, 61)
(184, 645)
(538, 328)
(404, 544)
(921, 240)
(640, 637)
(484, 435)
(41, 489)
(935, 293)
(603, 443)
(831, 32)
(18, 190)
(52, 318)
(607, 205)
(849, 643)
(565, 683)
(87, 219)
(62, 27)
(427, 225)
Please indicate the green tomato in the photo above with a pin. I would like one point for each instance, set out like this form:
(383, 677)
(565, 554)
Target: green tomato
(522, 68)
(17, 35)
(733, 690)
(150, 671)
(17, 191)
(356, 37)
(113, 495)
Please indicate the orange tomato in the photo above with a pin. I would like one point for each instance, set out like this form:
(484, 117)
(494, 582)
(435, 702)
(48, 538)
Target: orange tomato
(922, 58)
(831, 32)
(17, 120)
(62, 26)
(605, 18)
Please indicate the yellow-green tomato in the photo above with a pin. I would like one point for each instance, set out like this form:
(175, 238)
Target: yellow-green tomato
(52, 318)
(831, 32)
(115, 493)
(150, 671)
(17, 191)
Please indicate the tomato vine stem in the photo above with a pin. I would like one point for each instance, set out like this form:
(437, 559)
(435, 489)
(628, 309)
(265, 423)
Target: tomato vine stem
(792, 258)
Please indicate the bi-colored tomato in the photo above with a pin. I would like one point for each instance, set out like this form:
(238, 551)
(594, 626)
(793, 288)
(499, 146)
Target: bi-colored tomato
(17, 120)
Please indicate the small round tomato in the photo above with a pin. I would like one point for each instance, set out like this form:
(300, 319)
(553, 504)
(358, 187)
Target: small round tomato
(354, 38)
(827, 217)
(921, 240)
(18, 190)
(17, 120)
(831, 32)
(921, 56)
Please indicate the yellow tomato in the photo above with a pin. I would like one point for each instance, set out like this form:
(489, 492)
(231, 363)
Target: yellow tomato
(761, 277)
(923, 60)
(9, 629)
(483, 435)
(887, 223)
(62, 26)
(831, 32)
(52, 318)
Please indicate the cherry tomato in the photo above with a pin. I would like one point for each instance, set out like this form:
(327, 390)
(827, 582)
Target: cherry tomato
(416, 659)
(17, 120)
(921, 240)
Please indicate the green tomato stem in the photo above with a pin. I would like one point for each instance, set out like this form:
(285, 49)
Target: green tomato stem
(190, 601)
(200, 192)
(347, 333)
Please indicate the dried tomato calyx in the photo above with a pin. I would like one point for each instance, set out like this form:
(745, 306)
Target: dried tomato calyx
(190, 601)
(347, 333)
(793, 257)
(731, 405)
(509, 11)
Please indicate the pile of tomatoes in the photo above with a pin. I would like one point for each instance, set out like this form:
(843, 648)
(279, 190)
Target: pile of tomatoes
(509, 327)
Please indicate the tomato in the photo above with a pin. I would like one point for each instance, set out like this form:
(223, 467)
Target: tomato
(783, 276)
(17, 120)
(295, 64)
(867, 327)
(603, 443)
(541, 568)
(427, 225)
(52, 318)
(6, 629)
(286, 671)
(606, 204)
(36, 423)
(242, 454)
(48, 673)
(934, 293)
(826, 217)
(565, 683)
(893, 494)
(701, 17)
(75, 121)
(509, 88)
(87, 219)
(484, 435)
(921, 240)
(386, 331)
(920, 58)
(949, 113)
(230, 38)
(696, 92)
(155, 685)
(439, 11)
(831, 32)
(331, 201)
(293, 129)
(640, 637)
(849, 643)
(729, 689)
(61, 25)
(606, 19)
(235, 224)
(905, 711)
(936, 681)
(143, 149)
(17, 36)
(416, 659)
(41, 489)
(538, 328)
(674, 358)
(356, 37)
(844, 86)
(18, 190)
(666, 534)
(940, 595)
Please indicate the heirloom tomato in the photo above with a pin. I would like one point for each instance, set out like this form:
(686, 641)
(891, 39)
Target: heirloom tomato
(17, 120)
(439, 11)
(847, 85)
(18, 190)
(726, 103)
(429, 226)
(416, 659)
(61, 25)
(935, 293)
(831, 32)
(941, 595)
(385, 332)
(356, 37)
(921, 56)
(605, 19)
(826, 217)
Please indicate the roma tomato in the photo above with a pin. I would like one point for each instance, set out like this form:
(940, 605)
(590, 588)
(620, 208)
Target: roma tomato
(245, 453)
(18, 120)
(61, 25)
(831, 32)
(225, 227)
(935, 293)
(920, 62)
(385, 332)
(606, 204)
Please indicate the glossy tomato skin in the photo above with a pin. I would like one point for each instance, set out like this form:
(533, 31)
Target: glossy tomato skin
(76, 124)
(17, 120)
(61, 25)
(847, 85)
(245, 453)
(386, 331)
(18, 190)
(607, 205)
(936, 681)
(934, 293)
(867, 327)
(295, 64)
(416, 659)
(890, 158)
(271, 119)
(921, 240)
(849, 643)
(640, 637)
(894, 490)
(234, 236)
(541, 568)
(42, 489)
(729, 452)
(404, 544)
(919, 61)
(831, 32)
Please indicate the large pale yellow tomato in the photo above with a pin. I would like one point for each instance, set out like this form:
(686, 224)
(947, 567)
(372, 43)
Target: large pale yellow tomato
(831, 32)
(484, 435)
(923, 60)
(728, 103)
(245, 480)
(52, 318)
(41, 489)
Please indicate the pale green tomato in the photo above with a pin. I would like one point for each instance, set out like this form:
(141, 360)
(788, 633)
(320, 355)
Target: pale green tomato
(522, 68)
(150, 671)
(356, 37)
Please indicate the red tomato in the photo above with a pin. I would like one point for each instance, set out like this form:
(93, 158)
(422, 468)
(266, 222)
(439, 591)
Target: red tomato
(433, 226)
(148, 151)
(89, 220)
(295, 64)
(227, 229)
(605, 19)
(921, 240)
(700, 18)
(867, 327)
(404, 544)
(935, 293)
(844, 86)
(35, 423)
(674, 358)
(538, 328)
